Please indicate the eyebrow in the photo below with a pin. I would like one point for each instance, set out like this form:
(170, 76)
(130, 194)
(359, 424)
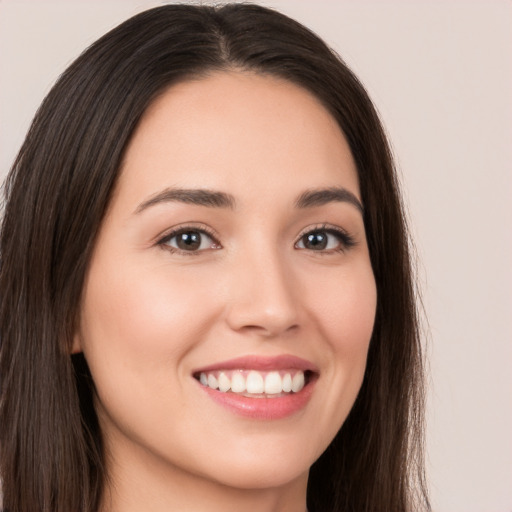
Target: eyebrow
(200, 197)
(215, 199)
(322, 196)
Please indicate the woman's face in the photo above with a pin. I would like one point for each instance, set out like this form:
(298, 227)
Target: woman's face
(233, 255)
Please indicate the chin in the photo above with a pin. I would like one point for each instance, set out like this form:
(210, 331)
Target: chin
(263, 476)
(263, 468)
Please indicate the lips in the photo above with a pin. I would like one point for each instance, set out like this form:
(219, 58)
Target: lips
(260, 363)
(260, 387)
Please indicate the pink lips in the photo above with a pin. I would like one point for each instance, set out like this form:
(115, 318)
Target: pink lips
(272, 408)
(262, 364)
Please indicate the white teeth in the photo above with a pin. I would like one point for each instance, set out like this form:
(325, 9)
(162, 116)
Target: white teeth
(212, 381)
(224, 383)
(254, 383)
(237, 383)
(273, 383)
(287, 383)
(297, 382)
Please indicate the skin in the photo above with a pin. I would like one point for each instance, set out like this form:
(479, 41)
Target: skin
(152, 314)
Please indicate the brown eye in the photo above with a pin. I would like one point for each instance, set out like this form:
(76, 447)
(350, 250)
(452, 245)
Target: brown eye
(190, 240)
(316, 241)
(325, 240)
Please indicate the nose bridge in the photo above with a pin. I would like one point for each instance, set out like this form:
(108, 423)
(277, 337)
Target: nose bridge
(263, 292)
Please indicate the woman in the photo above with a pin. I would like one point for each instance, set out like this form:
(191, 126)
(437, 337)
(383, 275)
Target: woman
(207, 300)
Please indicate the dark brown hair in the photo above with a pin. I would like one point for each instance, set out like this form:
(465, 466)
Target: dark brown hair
(51, 454)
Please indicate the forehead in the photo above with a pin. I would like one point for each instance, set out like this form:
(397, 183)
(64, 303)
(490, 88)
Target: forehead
(239, 131)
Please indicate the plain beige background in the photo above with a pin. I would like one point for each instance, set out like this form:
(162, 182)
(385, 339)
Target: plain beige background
(440, 73)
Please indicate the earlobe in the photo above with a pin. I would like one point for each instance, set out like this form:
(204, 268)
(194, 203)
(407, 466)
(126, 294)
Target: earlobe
(76, 344)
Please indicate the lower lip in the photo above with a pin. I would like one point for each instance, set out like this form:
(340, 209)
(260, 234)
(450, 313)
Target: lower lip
(263, 408)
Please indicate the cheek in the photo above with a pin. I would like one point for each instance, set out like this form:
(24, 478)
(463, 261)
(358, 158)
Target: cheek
(345, 307)
(141, 320)
(137, 303)
(345, 313)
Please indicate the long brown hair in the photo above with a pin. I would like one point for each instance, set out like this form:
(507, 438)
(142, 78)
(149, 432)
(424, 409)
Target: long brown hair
(51, 453)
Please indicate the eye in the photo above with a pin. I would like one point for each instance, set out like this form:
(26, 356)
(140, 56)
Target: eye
(189, 240)
(325, 239)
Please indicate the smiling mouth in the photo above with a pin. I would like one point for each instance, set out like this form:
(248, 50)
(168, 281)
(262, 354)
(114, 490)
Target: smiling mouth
(255, 383)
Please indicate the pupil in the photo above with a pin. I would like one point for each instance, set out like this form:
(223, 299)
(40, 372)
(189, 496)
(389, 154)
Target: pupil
(316, 241)
(189, 241)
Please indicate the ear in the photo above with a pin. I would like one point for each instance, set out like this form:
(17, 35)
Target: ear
(76, 344)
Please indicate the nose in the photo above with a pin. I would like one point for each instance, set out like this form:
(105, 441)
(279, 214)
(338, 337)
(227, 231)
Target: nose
(263, 296)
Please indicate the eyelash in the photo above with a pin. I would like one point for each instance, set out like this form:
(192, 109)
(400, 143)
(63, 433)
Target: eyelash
(345, 239)
(163, 242)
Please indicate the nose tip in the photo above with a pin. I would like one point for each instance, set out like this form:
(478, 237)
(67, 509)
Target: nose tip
(264, 302)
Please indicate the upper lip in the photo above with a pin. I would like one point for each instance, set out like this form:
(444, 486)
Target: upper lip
(261, 363)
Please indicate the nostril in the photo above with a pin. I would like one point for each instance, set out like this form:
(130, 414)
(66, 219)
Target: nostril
(267, 329)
